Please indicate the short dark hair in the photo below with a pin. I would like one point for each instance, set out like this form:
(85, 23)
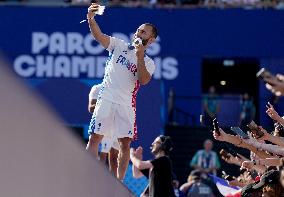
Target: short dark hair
(167, 144)
(154, 29)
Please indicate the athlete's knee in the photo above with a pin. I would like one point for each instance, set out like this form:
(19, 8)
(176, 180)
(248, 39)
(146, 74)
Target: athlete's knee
(91, 139)
(125, 148)
(95, 139)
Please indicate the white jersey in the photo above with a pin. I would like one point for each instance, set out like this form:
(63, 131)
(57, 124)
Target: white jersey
(94, 93)
(120, 84)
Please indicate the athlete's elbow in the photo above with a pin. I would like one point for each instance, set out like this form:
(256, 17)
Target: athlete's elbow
(91, 108)
(140, 166)
(103, 39)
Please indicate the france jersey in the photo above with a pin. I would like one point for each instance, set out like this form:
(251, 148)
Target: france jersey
(120, 84)
(115, 112)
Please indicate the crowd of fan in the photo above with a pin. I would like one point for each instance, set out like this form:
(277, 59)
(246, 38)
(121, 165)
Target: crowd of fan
(278, 4)
(255, 4)
(262, 174)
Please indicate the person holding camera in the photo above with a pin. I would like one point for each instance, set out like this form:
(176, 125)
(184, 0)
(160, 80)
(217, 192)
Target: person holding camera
(127, 68)
(158, 170)
(273, 114)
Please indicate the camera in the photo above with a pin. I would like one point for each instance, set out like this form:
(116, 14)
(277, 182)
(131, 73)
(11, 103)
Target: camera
(137, 41)
(224, 154)
(264, 74)
(216, 126)
(239, 132)
(101, 10)
(255, 129)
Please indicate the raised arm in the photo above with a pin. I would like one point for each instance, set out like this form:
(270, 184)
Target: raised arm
(267, 162)
(275, 84)
(275, 149)
(238, 142)
(143, 75)
(138, 164)
(102, 38)
(271, 138)
(272, 113)
(258, 152)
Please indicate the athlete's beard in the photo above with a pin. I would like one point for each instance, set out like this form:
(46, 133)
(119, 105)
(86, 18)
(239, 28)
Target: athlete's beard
(145, 41)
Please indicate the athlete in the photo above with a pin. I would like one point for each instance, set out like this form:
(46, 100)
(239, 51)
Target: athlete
(127, 68)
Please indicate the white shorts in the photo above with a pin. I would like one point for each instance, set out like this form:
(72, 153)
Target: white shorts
(113, 120)
(108, 143)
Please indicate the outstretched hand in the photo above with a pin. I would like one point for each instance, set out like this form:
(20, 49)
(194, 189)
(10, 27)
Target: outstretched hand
(271, 112)
(221, 137)
(265, 135)
(247, 165)
(275, 85)
(94, 7)
(251, 141)
(230, 159)
(138, 153)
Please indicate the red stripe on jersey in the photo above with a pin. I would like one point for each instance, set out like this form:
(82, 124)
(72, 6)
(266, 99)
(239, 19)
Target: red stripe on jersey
(133, 102)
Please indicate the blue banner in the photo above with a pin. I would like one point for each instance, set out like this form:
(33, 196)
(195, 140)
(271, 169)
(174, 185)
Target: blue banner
(58, 56)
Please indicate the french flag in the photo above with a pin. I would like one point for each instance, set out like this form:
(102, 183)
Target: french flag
(224, 188)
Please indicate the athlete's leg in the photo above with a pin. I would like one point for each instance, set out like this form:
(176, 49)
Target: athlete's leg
(123, 156)
(99, 125)
(112, 160)
(103, 157)
(106, 144)
(93, 144)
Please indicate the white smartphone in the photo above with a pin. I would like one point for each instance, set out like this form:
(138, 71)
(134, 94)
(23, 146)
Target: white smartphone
(100, 10)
